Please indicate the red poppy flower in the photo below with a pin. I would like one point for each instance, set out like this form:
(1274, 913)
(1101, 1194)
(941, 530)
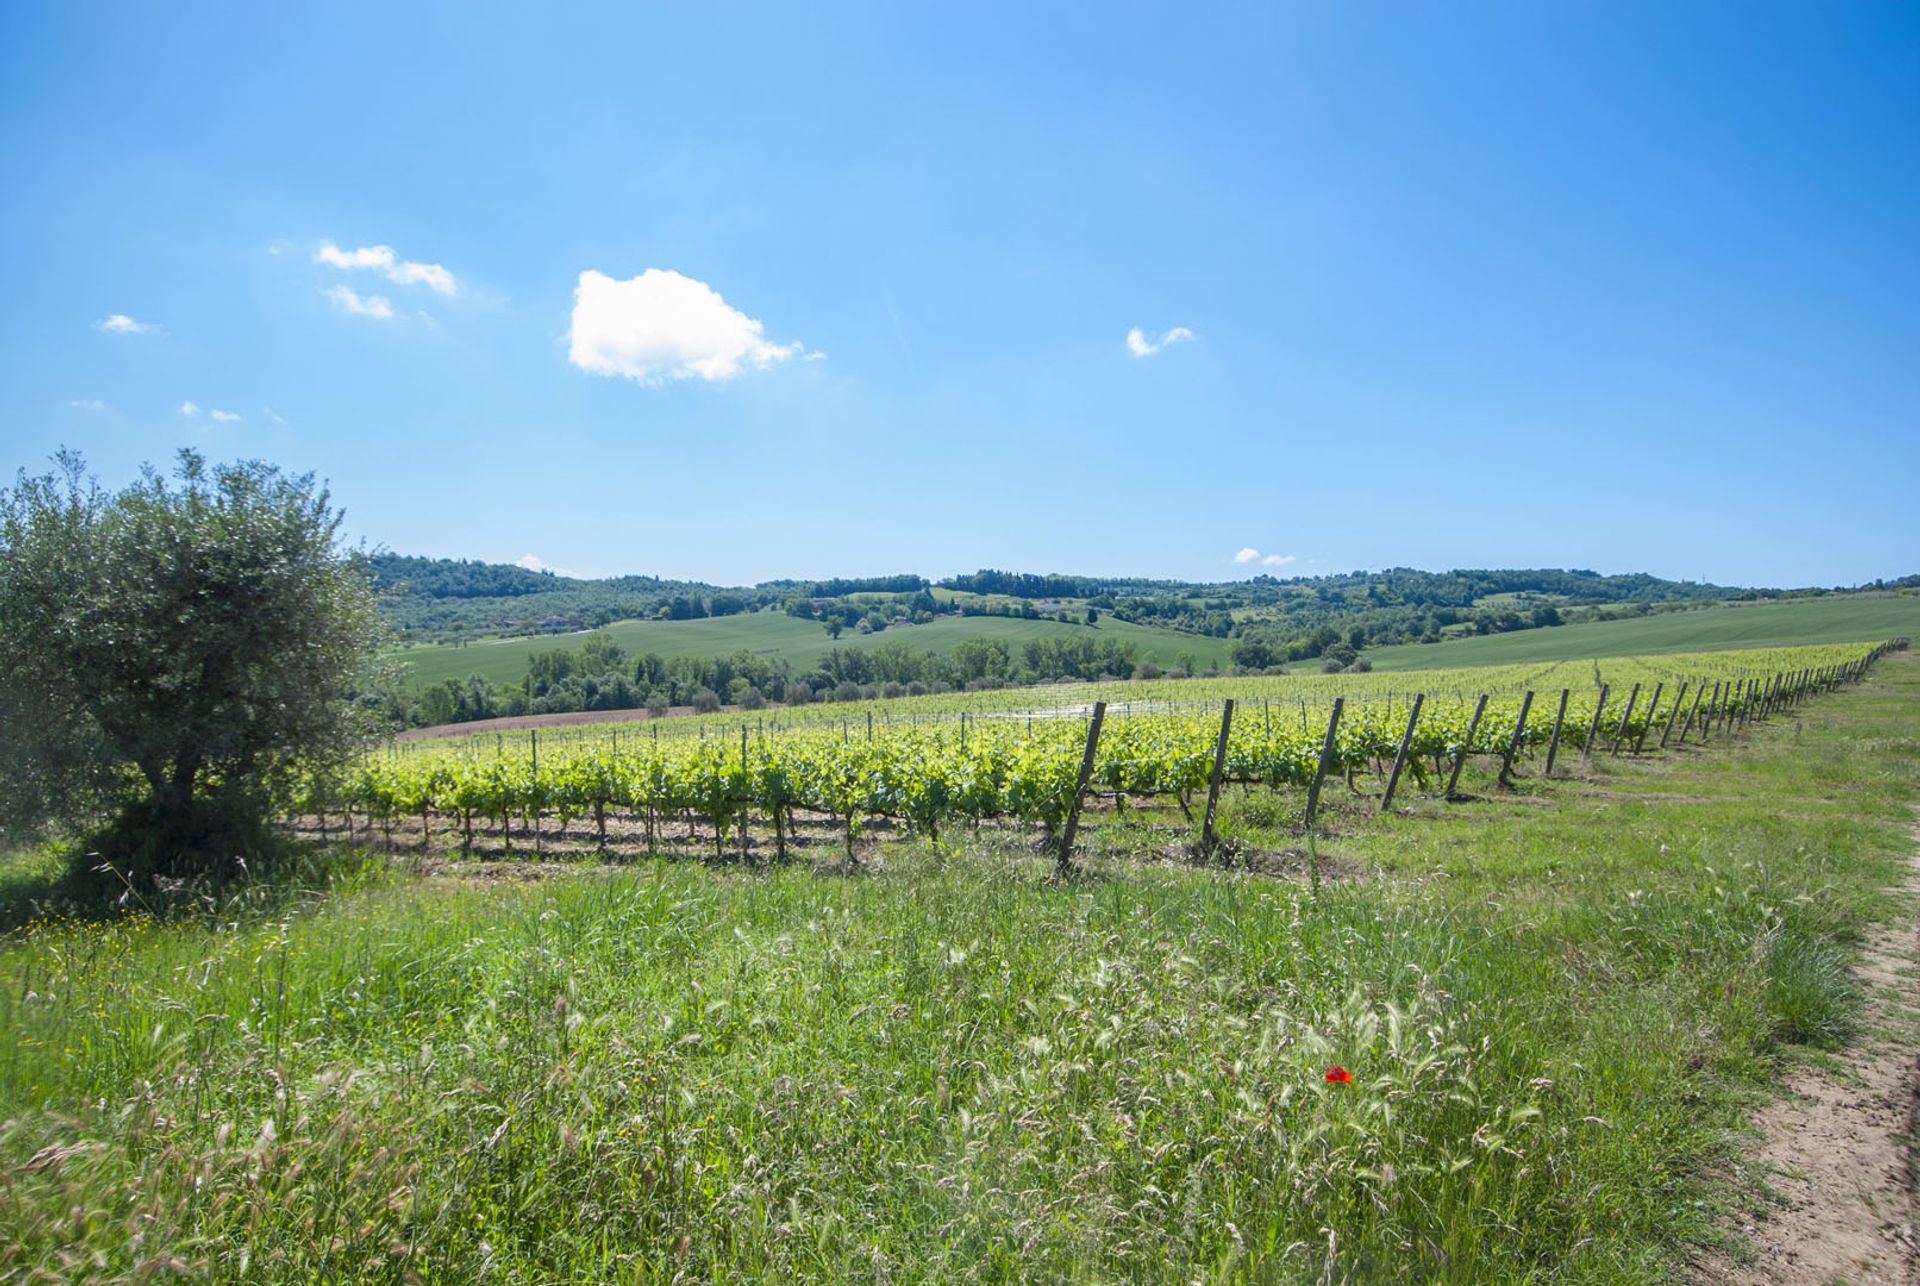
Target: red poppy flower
(1338, 1075)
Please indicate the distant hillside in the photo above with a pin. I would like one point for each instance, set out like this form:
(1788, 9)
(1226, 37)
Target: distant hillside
(485, 639)
(449, 600)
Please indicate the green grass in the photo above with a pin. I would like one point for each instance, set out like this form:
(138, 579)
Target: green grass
(1556, 1006)
(802, 643)
(1838, 619)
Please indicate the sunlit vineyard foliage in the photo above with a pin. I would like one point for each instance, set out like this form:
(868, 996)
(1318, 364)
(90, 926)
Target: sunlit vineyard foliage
(952, 760)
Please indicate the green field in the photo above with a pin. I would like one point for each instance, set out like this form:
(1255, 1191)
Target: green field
(1550, 1013)
(1839, 619)
(802, 643)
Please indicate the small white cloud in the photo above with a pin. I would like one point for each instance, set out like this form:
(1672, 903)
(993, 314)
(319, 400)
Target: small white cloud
(1246, 555)
(224, 417)
(403, 272)
(662, 326)
(534, 563)
(121, 324)
(351, 301)
(1140, 346)
(1276, 560)
(87, 404)
(273, 415)
(189, 409)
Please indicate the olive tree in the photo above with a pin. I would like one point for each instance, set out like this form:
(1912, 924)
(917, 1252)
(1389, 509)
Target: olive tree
(174, 656)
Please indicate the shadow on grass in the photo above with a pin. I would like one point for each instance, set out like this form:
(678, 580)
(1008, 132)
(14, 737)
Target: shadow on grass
(65, 881)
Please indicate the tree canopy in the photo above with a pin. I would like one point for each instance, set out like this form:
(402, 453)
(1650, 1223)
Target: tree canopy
(174, 654)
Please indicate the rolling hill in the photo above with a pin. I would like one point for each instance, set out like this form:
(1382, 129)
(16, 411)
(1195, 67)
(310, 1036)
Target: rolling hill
(801, 642)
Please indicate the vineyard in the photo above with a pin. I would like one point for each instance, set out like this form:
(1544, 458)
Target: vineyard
(934, 764)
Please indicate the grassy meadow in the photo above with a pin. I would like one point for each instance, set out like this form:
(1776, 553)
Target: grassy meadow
(1836, 619)
(1556, 1007)
(802, 643)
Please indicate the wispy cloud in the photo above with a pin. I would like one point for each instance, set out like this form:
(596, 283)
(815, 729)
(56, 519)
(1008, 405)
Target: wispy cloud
(405, 272)
(1141, 346)
(189, 409)
(534, 563)
(1277, 560)
(1251, 555)
(273, 415)
(121, 324)
(1246, 555)
(349, 300)
(224, 417)
(662, 326)
(87, 404)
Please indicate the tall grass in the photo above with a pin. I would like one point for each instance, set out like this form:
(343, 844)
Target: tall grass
(955, 1068)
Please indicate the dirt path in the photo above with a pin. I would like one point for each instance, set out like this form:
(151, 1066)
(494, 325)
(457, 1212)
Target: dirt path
(1838, 1146)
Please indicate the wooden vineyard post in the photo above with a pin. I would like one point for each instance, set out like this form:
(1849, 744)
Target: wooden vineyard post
(1400, 755)
(1326, 762)
(1697, 694)
(1706, 723)
(1652, 709)
(1679, 699)
(1513, 742)
(746, 793)
(1466, 747)
(1625, 715)
(533, 740)
(1559, 717)
(1065, 862)
(1213, 778)
(1593, 726)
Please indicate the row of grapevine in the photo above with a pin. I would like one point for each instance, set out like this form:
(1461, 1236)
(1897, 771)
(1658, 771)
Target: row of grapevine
(941, 774)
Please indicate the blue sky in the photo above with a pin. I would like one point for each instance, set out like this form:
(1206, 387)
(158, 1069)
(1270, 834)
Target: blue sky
(735, 292)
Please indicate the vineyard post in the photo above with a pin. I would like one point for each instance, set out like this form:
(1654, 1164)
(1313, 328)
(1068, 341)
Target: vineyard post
(1214, 777)
(1712, 701)
(1513, 742)
(1400, 755)
(1693, 710)
(1647, 725)
(533, 739)
(746, 794)
(1737, 707)
(1065, 862)
(1679, 699)
(1326, 761)
(1593, 726)
(1559, 717)
(1625, 715)
(1466, 746)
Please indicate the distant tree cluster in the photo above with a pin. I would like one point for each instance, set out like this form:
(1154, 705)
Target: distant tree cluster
(601, 675)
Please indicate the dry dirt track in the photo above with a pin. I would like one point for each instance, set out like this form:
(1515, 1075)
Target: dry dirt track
(1838, 1146)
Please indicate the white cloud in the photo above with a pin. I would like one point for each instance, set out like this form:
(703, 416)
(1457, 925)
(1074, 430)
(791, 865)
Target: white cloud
(274, 416)
(1276, 560)
(1140, 346)
(534, 563)
(121, 324)
(224, 417)
(403, 272)
(350, 300)
(1246, 555)
(662, 326)
(189, 409)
